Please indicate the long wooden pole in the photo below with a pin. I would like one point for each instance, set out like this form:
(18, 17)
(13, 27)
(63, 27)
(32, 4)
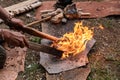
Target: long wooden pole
(38, 21)
(37, 33)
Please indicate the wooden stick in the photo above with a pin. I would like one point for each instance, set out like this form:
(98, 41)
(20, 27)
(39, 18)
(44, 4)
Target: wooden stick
(46, 11)
(36, 22)
(53, 13)
(83, 14)
(37, 33)
(23, 6)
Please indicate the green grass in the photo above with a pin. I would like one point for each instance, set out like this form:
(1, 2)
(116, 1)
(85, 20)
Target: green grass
(35, 39)
(101, 74)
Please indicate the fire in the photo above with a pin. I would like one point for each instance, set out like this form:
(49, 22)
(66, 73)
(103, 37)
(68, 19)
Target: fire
(101, 27)
(75, 42)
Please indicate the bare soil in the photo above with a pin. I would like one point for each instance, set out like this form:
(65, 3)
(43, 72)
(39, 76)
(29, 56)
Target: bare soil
(104, 57)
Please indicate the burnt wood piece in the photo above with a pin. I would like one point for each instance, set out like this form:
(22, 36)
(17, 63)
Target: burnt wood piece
(56, 15)
(71, 12)
(57, 18)
(53, 13)
(45, 49)
(95, 9)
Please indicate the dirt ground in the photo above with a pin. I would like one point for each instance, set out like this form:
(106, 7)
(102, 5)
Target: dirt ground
(104, 57)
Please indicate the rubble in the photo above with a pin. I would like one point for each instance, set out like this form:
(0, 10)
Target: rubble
(88, 9)
(69, 12)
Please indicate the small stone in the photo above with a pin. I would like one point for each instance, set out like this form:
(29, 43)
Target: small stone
(64, 20)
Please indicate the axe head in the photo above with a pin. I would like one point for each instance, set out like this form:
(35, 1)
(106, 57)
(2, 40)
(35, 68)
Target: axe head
(45, 49)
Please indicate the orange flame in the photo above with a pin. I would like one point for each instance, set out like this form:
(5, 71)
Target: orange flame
(75, 42)
(101, 27)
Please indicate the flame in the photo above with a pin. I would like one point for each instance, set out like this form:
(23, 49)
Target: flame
(101, 27)
(75, 42)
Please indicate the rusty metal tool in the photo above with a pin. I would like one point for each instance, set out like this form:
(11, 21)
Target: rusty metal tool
(45, 49)
(40, 47)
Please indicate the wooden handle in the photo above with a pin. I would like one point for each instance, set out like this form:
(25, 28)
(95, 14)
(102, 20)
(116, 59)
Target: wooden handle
(37, 33)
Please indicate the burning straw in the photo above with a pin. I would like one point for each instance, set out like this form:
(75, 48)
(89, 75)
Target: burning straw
(74, 42)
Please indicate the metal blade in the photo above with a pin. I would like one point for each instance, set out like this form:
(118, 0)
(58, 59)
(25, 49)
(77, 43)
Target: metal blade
(45, 49)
